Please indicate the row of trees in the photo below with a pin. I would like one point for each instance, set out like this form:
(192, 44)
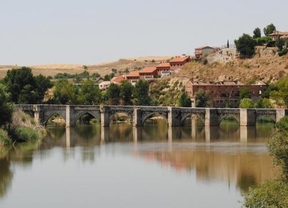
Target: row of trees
(87, 93)
(21, 87)
(246, 43)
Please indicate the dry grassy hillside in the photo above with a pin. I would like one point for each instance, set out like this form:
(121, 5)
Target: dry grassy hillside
(103, 69)
(265, 66)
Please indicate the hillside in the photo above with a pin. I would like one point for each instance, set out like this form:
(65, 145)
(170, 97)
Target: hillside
(105, 68)
(265, 66)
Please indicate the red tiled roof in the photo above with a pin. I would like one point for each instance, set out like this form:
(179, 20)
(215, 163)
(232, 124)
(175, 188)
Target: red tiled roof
(148, 70)
(117, 79)
(133, 74)
(164, 64)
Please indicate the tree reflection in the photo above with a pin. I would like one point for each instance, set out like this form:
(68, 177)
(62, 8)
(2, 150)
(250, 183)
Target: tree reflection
(6, 176)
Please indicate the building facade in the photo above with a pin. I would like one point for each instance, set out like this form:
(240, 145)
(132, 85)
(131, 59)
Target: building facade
(223, 94)
(201, 51)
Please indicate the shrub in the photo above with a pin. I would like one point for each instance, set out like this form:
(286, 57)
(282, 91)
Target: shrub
(4, 139)
(25, 134)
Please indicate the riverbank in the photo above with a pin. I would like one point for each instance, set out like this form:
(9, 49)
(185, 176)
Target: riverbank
(22, 129)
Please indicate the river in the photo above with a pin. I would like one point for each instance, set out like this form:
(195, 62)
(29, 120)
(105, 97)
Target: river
(123, 166)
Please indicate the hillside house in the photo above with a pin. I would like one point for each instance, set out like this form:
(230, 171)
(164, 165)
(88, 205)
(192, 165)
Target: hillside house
(117, 80)
(163, 69)
(104, 85)
(276, 35)
(223, 94)
(132, 77)
(178, 61)
(148, 73)
(201, 51)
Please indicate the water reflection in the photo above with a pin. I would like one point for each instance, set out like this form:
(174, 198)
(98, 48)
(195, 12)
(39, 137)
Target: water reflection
(214, 153)
(6, 176)
(231, 155)
(96, 135)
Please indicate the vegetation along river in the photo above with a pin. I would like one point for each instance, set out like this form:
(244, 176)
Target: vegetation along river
(123, 166)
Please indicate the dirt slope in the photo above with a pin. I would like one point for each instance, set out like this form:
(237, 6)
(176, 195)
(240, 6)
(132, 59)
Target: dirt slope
(265, 66)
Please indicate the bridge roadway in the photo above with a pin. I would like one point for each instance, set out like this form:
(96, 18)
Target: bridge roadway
(175, 116)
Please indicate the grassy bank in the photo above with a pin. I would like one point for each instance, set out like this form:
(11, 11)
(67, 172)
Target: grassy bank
(22, 129)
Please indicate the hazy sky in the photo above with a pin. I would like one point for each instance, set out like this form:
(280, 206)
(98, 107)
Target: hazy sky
(92, 31)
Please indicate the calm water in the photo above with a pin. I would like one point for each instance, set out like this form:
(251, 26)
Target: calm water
(121, 166)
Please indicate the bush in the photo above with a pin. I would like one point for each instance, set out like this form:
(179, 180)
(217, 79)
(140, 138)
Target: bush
(4, 139)
(282, 125)
(283, 52)
(25, 134)
(273, 193)
(269, 194)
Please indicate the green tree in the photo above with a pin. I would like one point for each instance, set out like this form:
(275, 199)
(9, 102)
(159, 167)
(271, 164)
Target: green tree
(280, 92)
(141, 93)
(245, 46)
(265, 40)
(246, 103)
(108, 77)
(201, 99)
(244, 92)
(280, 43)
(126, 91)
(89, 93)
(24, 87)
(16, 80)
(42, 85)
(65, 92)
(257, 33)
(113, 94)
(6, 108)
(184, 100)
(273, 193)
(263, 103)
(269, 29)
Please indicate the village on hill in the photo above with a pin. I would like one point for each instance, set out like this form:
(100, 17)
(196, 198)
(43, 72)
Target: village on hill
(221, 90)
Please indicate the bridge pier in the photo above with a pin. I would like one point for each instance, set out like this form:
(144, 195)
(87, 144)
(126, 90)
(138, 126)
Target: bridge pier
(174, 117)
(36, 111)
(137, 117)
(211, 117)
(280, 113)
(105, 118)
(68, 121)
(247, 117)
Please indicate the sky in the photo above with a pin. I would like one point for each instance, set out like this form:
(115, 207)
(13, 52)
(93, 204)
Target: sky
(35, 32)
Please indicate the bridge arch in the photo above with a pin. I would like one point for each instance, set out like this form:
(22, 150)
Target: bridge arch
(50, 115)
(223, 116)
(147, 115)
(113, 114)
(186, 115)
(82, 113)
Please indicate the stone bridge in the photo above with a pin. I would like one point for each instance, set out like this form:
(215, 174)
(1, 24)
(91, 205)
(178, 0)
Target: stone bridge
(175, 116)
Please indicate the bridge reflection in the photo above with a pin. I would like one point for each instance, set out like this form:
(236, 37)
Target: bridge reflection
(206, 134)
